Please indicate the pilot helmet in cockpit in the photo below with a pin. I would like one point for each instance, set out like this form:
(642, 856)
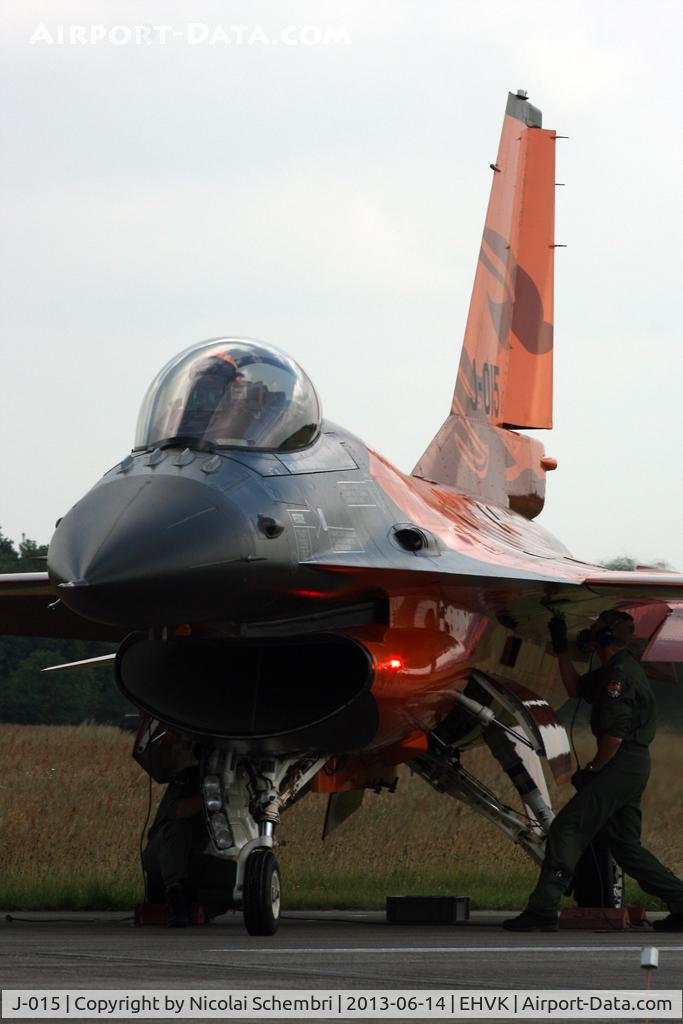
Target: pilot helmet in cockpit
(211, 384)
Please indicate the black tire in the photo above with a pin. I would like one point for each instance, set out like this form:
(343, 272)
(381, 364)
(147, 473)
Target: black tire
(261, 897)
(598, 879)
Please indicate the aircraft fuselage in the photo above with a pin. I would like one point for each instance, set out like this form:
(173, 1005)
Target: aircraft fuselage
(289, 602)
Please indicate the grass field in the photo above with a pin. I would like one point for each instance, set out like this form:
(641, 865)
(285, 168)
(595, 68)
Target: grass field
(73, 803)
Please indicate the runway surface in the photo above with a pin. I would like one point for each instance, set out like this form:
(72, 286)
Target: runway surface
(323, 950)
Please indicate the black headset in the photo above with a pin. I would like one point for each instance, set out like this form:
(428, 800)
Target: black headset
(605, 637)
(608, 635)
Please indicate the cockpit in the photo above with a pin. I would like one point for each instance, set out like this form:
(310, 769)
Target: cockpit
(230, 393)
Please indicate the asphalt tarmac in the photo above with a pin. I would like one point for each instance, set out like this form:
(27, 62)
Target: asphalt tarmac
(320, 950)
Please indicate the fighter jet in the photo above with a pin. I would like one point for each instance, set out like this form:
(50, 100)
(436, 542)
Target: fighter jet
(300, 615)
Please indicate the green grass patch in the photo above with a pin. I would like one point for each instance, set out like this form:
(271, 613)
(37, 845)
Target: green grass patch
(89, 893)
(635, 897)
(311, 890)
(317, 890)
(314, 890)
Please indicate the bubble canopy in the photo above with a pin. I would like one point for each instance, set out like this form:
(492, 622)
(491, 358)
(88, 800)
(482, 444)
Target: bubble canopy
(230, 393)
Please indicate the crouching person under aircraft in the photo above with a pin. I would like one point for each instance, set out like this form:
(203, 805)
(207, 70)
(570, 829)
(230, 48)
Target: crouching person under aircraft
(176, 866)
(609, 789)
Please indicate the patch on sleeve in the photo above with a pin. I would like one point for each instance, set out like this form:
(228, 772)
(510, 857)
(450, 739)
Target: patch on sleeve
(615, 688)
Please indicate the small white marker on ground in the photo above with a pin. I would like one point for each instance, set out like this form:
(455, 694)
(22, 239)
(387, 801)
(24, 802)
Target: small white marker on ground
(649, 961)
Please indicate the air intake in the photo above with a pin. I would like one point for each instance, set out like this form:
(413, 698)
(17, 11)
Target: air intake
(281, 695)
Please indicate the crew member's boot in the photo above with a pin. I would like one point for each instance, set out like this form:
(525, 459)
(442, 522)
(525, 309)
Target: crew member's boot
(179, 903)
(528, 921)
(672, 923)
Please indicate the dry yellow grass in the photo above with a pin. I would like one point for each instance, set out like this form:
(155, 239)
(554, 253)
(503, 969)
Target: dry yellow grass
(73, 803)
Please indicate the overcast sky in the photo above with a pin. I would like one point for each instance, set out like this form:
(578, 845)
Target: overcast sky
(326, 192)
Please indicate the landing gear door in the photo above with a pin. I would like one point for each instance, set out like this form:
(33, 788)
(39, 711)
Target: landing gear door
(536, 719)
(341, 806)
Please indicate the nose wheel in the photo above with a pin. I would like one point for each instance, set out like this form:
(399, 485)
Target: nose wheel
(262, 893)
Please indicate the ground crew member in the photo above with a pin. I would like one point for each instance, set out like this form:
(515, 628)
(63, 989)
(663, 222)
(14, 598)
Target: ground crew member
(177, 833)
(610, 787)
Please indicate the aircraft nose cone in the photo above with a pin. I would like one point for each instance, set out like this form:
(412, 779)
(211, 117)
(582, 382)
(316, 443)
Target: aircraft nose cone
(146, 550)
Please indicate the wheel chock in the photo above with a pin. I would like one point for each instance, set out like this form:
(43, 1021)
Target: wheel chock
(636, 916)
(155, 914)
(596, 918)
(427, 909)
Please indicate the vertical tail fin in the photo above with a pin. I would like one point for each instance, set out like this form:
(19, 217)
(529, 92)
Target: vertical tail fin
(505, 375)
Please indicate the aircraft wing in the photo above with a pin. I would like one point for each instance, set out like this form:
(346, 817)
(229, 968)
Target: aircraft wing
(666, 643)
(655, 600)
(523, 601)
(30, 606)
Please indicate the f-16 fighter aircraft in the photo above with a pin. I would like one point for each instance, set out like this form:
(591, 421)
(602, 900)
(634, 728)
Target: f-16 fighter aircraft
(298, 614)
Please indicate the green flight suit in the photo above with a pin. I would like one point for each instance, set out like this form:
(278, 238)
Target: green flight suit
(623, 705)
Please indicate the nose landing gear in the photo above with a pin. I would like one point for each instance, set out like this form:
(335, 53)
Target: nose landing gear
(243, 798)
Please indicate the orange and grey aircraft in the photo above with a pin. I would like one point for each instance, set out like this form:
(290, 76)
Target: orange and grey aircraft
(299, 615)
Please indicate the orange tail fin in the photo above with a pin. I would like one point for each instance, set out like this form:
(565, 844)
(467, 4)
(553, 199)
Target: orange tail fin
(505, 377)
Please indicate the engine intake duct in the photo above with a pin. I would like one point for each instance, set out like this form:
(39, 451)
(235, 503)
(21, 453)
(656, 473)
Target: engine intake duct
(280, 695)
